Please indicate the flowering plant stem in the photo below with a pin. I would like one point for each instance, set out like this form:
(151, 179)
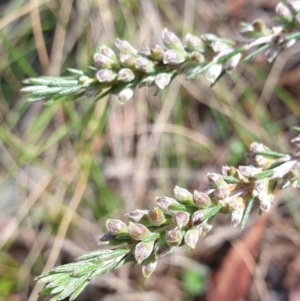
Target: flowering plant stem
(175, 222)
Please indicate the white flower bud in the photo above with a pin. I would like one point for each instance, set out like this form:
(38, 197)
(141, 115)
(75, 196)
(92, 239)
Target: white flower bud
(145, 65)
(171, 41)
(213, 72)
(162, 80)
(143, 250)
(191, 237)
(194, 43)
(283, 11)
(124, 46)
(173, 57)
(232, 62)
(105, 75)
(125, 95)
(147, 269)
(126, 75)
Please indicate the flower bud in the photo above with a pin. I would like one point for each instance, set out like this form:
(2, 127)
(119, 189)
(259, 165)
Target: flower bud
(168, 205)
(214, 72)
(145, 65)
(108, 52)
(156, 217)
(204, 228)
(195, 57)
(194, 43)
(148, 80)
(124, 95)
(171, 41)
(218, 46)
(143, 250)
(266, 201)
(126, 75)
(116, 227)
(222, 192)
(191, 237)
(124, 46)
(198, 217)
(216, 180)
(295, 5)
(148, 268)
(248, 171)
(232, 62)
(145, 51)
(103, 61)
(183, 195)
(105, 75)
(127, 59)
(138, 231)
(201, 199)
(174, 237)
(162, 80)
(137, 215)
(236, 217)
(259, 25)
(157, 53)
(271, 54)
(181, 218)
(283, 11)
(261, 187)
(173, 57)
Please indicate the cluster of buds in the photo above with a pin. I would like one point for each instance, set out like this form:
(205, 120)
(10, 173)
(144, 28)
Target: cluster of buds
(120, 71)
(180, 221)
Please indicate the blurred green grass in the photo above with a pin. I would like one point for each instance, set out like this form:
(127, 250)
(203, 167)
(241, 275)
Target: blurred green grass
(65, 168)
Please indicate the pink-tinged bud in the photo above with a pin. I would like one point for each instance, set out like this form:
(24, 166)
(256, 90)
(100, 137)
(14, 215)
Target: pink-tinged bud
(261, 187)
(236, 217)
(138, 231)
(183, 195)
(143, 250)
(248, 171)
(201, 199)
(162, 80)
(213, 72)
(173, 57)
(127, 59)
(137, 215)
(156, 217)
(103, 61)
(236, 203)
(191, 237)
(181, 218)
(198, 217)
(108, 52)
(106, 76)
(116, 227)
(157, 53)
(216, 180)
(222, 192)
(194, 43)
(168, 204)
(148, 268)
(171, 41)
(145, 65)
(283, 11)
(145, 51)
(125, 95)
(232, 63)
(126, 75)
(174, 237)
(124, 46)
(148, 81)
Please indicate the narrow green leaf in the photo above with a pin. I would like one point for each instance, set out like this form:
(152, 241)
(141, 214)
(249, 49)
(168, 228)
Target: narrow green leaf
(247, 212)
(255, 52)
(264, 174)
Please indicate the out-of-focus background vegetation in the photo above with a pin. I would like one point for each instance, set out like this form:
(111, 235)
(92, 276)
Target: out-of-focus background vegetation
(66, 168)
